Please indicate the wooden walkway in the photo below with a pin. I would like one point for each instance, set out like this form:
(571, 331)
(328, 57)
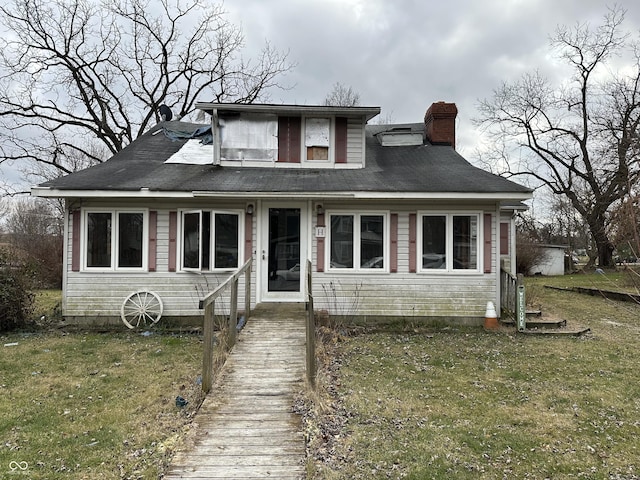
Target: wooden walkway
(246, 428)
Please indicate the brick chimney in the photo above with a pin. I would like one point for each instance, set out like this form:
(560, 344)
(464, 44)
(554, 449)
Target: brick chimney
(440, 123)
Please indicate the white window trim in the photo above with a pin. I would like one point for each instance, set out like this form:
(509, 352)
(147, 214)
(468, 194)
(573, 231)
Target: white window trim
(449, 270)
(114, 239)
(241, 221)
(332, 140)
(386, 232)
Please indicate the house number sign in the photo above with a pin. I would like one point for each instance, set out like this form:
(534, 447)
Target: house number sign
(321, 232)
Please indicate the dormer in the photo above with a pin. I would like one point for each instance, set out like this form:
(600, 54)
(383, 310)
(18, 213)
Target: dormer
(291, 136)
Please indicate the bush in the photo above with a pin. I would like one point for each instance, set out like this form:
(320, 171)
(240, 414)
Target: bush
(16, 299)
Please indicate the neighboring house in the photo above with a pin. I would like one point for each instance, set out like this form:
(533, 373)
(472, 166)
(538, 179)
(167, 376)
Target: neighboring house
(395, 222)
(553, 260)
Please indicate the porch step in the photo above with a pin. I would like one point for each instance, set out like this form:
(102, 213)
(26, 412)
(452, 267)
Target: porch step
(538, 323)
(549, 327)
(280, 309)
(572, 332)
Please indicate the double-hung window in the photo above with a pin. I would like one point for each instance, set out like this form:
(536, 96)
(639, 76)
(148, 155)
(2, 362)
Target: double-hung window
(115, 240)
(210, 240)
(358, 241)
(449, 242)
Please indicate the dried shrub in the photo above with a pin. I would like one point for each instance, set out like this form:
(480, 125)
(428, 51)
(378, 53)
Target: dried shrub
(16, 298)
(528, 255)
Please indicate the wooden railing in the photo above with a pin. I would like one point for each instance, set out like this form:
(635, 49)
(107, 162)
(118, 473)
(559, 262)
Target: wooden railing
(209, 303)
(311, 330)
(508, 290)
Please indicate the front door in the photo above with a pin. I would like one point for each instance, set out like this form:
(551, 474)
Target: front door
(283, 253)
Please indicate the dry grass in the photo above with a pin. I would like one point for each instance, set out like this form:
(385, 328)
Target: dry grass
(464, 403)
(80, 406)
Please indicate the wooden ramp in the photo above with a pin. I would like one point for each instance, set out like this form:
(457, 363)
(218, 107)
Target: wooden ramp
(246, 428)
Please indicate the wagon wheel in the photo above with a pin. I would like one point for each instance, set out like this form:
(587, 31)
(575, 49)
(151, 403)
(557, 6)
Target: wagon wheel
(141, 308)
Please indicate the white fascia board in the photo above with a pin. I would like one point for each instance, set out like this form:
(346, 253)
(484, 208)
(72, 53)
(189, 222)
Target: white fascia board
(284, 109)
(371, 195)
(144, 193)
(441, 196)
(275, 195)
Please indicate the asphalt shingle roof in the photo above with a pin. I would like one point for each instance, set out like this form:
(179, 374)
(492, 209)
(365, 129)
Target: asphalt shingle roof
(399, 169)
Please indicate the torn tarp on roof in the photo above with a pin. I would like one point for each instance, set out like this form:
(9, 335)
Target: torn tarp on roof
(203, 134)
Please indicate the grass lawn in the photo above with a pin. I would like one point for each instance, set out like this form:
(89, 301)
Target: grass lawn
(89, 405)
(459, 403)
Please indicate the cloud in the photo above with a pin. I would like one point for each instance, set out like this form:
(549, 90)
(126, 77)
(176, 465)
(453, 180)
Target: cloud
(404, 55)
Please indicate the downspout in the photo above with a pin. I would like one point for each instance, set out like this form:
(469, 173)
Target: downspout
(215, 129)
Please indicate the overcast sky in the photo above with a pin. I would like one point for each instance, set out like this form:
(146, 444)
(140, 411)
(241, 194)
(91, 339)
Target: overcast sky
(402, 55)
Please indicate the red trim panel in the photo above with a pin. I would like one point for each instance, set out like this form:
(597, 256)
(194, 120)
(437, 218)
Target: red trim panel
(173, 233)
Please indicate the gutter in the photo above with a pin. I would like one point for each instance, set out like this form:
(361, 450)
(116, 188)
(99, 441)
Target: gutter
(147, 193)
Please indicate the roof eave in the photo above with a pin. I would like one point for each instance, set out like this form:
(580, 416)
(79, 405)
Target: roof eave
(48, 192)
(367, 112)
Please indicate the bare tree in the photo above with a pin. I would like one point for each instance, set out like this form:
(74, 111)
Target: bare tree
(625, 227)
(35, 229)
(79, 80)
(580, 139)
(342, 96)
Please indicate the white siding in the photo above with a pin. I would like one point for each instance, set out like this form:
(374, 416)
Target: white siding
(99, 295)
(355, 140)
(447, 296)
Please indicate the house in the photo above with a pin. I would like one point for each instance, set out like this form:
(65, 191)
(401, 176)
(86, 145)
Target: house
(395, 222)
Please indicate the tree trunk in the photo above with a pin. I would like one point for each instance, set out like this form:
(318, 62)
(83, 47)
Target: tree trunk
(603, 244)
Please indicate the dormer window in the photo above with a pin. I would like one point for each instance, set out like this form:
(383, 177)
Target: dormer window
(281, 136)
(317, 138)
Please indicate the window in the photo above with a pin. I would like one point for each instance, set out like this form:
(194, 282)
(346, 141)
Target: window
(316, 138)
(358, 241)
(115, 240)
(449, 242)
(210, 240)
(504, 238)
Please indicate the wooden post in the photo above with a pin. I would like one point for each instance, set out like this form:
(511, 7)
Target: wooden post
(207, 355)
(311, 332)
(233, 314)
(311, 345)
(247, 294)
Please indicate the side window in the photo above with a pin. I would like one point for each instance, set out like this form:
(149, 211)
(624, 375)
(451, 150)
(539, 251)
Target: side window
(341, 249)
(358, 241)
(98, 239)
(130, 239)
(227, 240)
(449, 242)
(191, 240)
(434, 242)
(210, 240)
(115, 240)
(465, 242)
(372, 241)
